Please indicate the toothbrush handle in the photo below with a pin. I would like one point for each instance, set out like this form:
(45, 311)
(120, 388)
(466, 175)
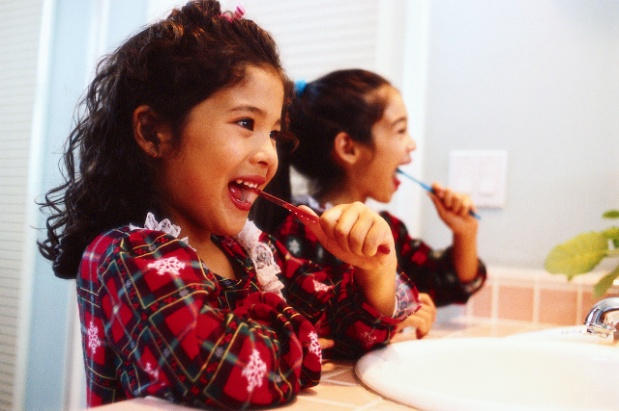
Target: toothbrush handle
(431, 190)
(303, 215)
(471, 212)
(474, 214)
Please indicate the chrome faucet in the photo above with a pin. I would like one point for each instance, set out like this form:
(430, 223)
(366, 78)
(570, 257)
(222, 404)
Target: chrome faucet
(603, 319)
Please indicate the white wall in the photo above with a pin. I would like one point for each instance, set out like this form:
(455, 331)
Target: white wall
(539, 79)
(536, 78)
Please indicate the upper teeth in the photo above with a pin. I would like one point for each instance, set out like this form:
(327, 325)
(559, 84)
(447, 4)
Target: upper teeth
(246, 183)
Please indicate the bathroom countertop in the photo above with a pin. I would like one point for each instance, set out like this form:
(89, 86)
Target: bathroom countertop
(340, 389)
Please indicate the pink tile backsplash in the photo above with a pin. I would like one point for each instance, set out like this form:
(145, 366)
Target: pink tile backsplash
(515, 303)
(562, 306)
(535, 296)
(480, 304)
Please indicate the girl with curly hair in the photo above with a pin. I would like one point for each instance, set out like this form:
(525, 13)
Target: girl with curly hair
(180, 295)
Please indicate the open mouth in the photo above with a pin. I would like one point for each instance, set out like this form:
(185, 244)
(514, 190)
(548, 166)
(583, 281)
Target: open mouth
(396, 180)
(242, 191)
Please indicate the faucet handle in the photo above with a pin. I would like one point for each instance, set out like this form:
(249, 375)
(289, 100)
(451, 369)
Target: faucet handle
(603, 318)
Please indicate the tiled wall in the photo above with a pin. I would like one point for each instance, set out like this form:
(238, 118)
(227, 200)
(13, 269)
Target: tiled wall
(536, 296)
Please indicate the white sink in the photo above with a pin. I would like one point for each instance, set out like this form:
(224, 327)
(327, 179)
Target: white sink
(460, 374)
(574, 333)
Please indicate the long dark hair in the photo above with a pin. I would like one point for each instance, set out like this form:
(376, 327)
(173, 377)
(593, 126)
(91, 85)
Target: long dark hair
(343, 100)
(170, 66)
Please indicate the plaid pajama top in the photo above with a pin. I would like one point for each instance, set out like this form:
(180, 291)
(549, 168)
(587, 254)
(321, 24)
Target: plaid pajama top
(431, 271)
(156, 321)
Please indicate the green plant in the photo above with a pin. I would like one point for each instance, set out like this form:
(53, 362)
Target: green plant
(584, 252)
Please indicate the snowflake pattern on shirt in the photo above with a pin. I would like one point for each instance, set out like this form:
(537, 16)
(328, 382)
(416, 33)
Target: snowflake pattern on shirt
(151, 371)
(368, 338)
(294, 246)
(169, 265)
(314, 347)
(93, 337)
(255, 371)
(318, 286)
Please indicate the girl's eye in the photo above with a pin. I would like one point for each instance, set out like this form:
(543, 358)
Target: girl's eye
(246, 123)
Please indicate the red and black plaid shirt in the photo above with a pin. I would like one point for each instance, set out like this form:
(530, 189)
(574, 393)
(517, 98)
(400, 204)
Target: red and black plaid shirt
(156, 321)
(431, 271)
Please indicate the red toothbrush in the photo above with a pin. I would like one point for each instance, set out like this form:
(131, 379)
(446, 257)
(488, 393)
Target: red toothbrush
(300, 213)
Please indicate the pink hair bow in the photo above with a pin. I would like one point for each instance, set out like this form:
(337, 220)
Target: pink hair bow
(238, 13)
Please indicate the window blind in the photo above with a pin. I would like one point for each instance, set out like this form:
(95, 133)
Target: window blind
(318, 36)
(20, 23)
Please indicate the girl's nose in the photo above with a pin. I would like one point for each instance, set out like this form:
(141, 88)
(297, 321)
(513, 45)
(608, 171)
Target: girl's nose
(411, 144)
(266, 154)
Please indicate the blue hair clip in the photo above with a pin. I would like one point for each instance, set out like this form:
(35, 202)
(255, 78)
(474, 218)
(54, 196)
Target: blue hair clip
(299, 87)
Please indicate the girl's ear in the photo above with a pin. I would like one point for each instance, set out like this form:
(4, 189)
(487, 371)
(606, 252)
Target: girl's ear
(345, 148)
(149, 131)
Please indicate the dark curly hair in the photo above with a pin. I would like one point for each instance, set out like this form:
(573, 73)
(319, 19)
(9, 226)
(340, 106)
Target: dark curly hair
(343, 100)
(170, 66)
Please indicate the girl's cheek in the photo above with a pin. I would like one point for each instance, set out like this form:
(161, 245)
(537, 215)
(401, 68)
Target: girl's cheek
(272, 170)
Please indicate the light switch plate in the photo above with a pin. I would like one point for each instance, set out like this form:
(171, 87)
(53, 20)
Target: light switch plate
(481, 174)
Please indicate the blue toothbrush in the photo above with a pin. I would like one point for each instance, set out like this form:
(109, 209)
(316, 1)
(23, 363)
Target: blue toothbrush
(430, 189)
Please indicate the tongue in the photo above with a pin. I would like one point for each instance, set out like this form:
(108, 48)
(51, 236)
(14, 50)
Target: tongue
(396, 182)
(241, 193)
(238, 192)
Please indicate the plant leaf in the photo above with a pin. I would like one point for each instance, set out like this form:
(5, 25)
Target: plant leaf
(611, 214)
(612, 234)
(605, 283)
(578, 255)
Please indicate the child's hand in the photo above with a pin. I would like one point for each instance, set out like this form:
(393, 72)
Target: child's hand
(325, 343)
(453, 208)
(353, 233)
(421, 321)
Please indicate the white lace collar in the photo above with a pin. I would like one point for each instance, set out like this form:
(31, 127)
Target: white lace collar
(262, 257)
(165, 225)
(249, 238)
